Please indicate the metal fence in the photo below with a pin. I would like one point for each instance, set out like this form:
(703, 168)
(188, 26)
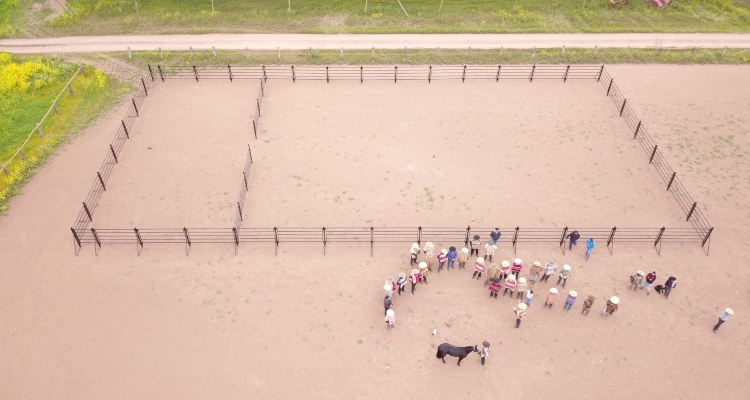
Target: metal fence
(512, 236)
(85, 215)
(699, 233)
(38, 128)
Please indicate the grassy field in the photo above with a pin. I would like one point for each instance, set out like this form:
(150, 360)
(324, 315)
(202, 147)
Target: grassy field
(27, 88)
(424, 56)
(98, 17)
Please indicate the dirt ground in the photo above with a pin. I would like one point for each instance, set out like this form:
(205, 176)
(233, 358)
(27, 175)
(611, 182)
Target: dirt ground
(304, 325)
(183, 165)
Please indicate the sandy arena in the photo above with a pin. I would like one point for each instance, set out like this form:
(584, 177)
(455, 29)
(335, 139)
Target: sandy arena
(304, 325)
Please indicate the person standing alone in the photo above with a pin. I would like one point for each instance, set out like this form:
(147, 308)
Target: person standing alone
(723, 318)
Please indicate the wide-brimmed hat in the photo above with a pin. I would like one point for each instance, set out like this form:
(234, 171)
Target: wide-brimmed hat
(510, 277)
(521, 280)
(729, 311)
(452, 248)
(517, 261)
(465, 250)
(480, 260)
(429, 244)
(537, 263)
(592, 298)
(566, 267)
(387, 287)
(615, 300)
(553, 290)
(486, 344)
(476, 237)
(414, 271)
(423, 265)
(506, 263)
(444, 251)
(494, 265)
(573, 293)
(641, 273)
(415, 245)
(389, 313)
(402, 275)
(522, 306)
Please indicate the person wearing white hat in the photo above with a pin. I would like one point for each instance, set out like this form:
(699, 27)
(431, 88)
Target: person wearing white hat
(536, 268)
(549, 270)
(463, 258)
(423, 271)
(489, 250)
(570, 300)
(521, 287)
(504, 269)
(442, 259)
(413, 279)
(388, 289)
(636, 280)
(429, 255)
(551, 297)
(401, 283)
(517, 267)
(612, 306)
(478, 268)
(520, 313)
(723, 318)
(564, 275)
(390, 319)
(510, 284)
(414, 253)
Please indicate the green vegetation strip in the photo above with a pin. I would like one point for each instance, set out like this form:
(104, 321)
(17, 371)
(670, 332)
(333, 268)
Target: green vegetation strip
(28, 85)
(431, 56)
(99, 17)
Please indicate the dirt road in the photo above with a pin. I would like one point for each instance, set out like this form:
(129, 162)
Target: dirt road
(84, 44)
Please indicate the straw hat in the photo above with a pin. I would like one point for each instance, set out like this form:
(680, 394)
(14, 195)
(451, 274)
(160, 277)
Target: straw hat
(521, 280)
(389, 313)
(573, 293)
(402, 275)
(387, 287)
(641, 273)
(465, 250)
(591, 298)
(553, 290)
(566, 267)
(537, 264)
(480, 260)
(510, 277)
(522, 306)
(429, 244)
(414, 271)
(415, 245)
(517, 261)
(422, 265)
(615, 300)
(506, 263)
(729, 311)
(444, 251)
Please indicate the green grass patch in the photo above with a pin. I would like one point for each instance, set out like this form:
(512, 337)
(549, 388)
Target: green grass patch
(98, 17)
(20, 110)
(424, 56)
(9, 13)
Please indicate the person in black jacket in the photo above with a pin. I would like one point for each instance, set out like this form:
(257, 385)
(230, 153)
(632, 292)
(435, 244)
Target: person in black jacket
(650, 278)
(669, 285)
(495, 235)
(573, 236)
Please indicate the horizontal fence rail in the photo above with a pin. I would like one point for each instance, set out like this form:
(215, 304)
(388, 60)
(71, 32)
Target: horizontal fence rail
(445, 236)
(393, 73)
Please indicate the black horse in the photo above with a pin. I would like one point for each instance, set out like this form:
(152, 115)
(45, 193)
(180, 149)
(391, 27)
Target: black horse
(447, 349)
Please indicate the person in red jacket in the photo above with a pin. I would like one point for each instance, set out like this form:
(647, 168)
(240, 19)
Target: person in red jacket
(478, 268)
(650, 278)
(442, 258)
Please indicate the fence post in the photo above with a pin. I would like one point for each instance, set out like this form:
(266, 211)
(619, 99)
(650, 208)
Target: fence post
(463, 76)
(531, 77)
(497, 77)
(624, 101)
(563, 50)
(244, 177)
(76, 238)
(191, 51)
(6, 171)
(239, 209)
(596, 48)
(327, 78)
(257, 102)
(276, 240)
(88, 212)
(515, 238)
(395, 73)
(231, 78)
(127, 135)
(294, 76)
(361, 74)
(611, 238)
(562, 237)
(653, 153)
(161, 74)
(139, 241)
(70, 89)
(250, 154)
(372, 239)
(325, 240)
(101, 180)
(533, 52)
(565, 77)
(20, 154)
(419, 235)
(637, 128)
(135, 107)
(187, 237)
(39, 129)
(708, 236)
(610, 85)
(601, 70)
(658, 238)
(144, 87)
(236, 240)
(96, 239)
(54, 106)
(195, 71)
(130, 53)
(692, 209)
(161, 55)
(429, 75)
(151, 72)
(466, 238)
(263, 68)
(255, 130)
(214, 49)
(112, 149)
(669, 185)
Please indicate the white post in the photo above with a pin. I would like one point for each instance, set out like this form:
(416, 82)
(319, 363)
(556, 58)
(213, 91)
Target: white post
(290, 5)
(214, 49)
(247, 49)
(212, 5)
(441, 6)
(402, 7)
(130, 54)
(596, 48)
(160, 53)
(136, 6)
(279, 50)
(191, 51)
(563, 51)
(365, 6)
